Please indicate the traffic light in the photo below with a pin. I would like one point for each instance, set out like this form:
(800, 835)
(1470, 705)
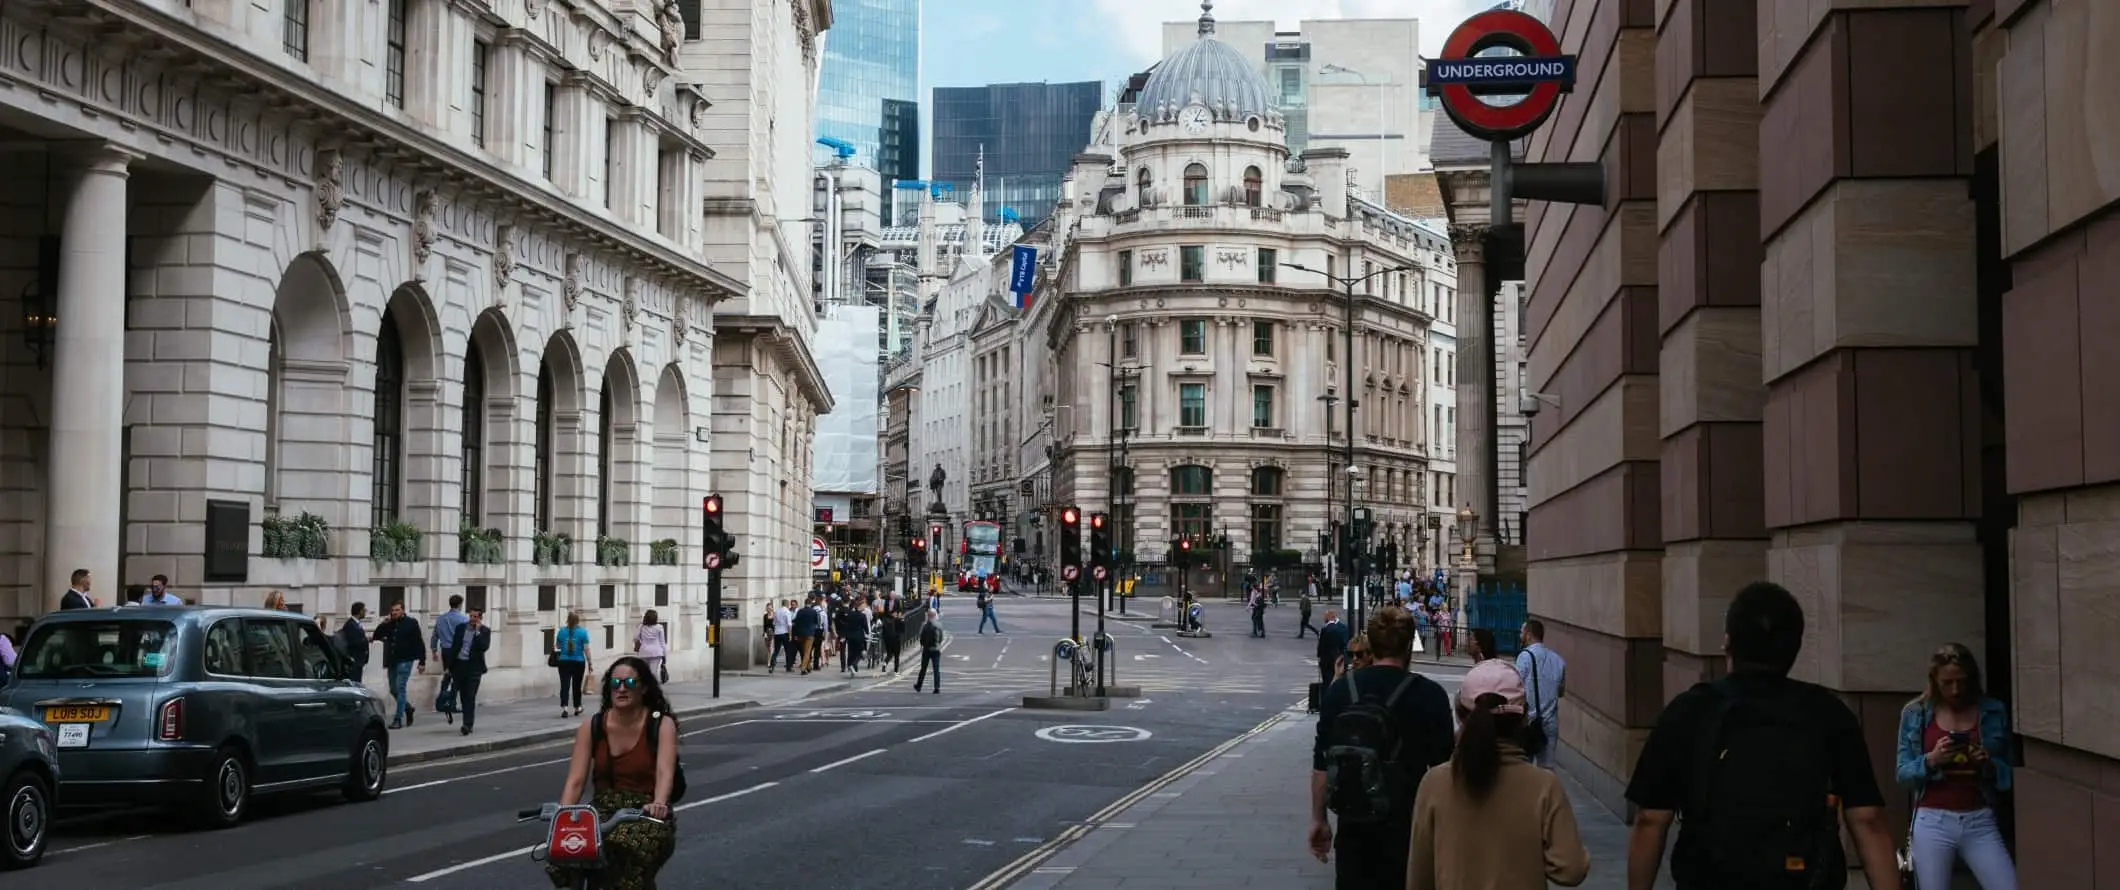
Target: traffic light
(916, 553)
(714, 540)
(1181, 551)
(1101, 553)
(1070, 537)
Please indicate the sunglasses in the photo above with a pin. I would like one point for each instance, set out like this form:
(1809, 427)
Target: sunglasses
(625, 682)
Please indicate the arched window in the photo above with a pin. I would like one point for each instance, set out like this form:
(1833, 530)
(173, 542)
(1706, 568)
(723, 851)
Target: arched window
(1195, 185)
(1253, 183)
(603, 460)
(473, 479)
(545, 392)
(389, 423)
(1192, 480)
(1266, 482)
(1143, 182)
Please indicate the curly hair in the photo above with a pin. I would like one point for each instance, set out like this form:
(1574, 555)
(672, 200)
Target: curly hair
(651, 691)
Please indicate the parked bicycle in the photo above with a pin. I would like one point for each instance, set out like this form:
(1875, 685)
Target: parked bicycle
(576, 838)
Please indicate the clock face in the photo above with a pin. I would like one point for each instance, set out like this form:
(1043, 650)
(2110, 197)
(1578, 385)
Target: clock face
(1195, 120)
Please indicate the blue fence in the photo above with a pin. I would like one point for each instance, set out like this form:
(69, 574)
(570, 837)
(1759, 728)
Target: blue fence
(1501, 609)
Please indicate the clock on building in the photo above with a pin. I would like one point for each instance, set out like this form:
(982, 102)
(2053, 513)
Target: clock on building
(1195, 119)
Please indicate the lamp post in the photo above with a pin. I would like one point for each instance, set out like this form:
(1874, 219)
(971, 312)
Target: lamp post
(1116, 376)
(1353, 581)
(1468, 529)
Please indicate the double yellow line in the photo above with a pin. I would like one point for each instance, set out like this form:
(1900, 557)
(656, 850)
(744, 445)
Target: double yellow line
(1029, 862)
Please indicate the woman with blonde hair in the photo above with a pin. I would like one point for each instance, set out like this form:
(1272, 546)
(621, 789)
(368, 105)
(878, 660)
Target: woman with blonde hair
(1488, 819)
(276, 601)
(1954, 757)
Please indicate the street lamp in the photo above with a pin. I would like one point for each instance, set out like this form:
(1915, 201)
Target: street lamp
(1468, 529)
(1383, 106)
(1354, 573)
(1116, 376)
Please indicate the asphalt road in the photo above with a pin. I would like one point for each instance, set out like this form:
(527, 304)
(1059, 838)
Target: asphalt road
(877, 788)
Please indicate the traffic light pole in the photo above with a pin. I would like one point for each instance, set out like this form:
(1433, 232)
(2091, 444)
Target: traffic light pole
(714, 625)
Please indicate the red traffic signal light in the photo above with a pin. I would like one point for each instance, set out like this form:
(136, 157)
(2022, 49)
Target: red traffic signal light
(919, 543)
(712, 505)
(1184, 543)
(1070, 516)
(1096, 520)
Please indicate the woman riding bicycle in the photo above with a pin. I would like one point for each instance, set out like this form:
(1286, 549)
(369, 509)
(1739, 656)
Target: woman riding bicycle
(629, 771)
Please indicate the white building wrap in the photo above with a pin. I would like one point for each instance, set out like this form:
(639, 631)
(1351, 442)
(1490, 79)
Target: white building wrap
(846, 455)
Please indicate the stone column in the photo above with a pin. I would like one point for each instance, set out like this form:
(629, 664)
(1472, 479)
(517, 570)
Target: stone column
(1708, 292)
(1475, 387)
(88, 382)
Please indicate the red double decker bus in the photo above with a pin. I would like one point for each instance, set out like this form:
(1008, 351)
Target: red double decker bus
(980, 554)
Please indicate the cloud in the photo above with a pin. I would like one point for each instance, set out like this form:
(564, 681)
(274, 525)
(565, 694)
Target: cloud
(1138, 24)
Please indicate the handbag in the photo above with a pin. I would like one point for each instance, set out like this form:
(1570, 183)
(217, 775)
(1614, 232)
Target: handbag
(1907, 879)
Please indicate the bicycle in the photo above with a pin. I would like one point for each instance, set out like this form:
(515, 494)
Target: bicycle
(576, 839)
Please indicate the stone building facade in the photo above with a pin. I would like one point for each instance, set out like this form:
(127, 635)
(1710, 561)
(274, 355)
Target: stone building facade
(1842, 325)
(1171, 252)
(361, 302)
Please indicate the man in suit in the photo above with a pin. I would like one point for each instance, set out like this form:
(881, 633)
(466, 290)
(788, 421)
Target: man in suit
(76, 597)
(1332, 643)
(468, 664)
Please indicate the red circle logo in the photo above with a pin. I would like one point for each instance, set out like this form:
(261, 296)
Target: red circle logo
(1500, 28)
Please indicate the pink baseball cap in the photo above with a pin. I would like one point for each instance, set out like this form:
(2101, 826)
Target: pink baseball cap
(1493, 677)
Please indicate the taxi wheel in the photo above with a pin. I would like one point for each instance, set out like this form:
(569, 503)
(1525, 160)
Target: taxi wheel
(370, 767)
(26, 804)
(225, 797)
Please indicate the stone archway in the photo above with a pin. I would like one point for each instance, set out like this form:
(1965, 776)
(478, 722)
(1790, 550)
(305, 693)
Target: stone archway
(557, 444)
(487, 435)
(307, 417)
(405, 476)
(618, 448)
(671, 469)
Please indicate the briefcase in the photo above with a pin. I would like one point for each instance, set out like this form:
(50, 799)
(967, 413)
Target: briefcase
(1316, 689)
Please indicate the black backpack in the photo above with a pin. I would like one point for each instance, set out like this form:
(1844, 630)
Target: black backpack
(1365, 780)
(1761, 811)
(653, 735)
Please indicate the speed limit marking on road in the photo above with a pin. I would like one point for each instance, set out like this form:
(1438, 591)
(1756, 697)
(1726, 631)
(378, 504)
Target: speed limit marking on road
(1070, 573)
(1092, 735)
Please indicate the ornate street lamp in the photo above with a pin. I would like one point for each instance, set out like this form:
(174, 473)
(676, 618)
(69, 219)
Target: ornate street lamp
(1468, 529)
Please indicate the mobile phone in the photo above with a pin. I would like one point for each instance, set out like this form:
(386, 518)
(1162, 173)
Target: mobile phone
(1960, 738)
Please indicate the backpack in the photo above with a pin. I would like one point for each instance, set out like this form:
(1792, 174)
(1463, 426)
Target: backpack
(1761, 810)
(1364, 778)
(653, 736)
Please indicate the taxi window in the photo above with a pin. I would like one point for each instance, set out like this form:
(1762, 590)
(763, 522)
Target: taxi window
(266, 651)
(224, 648)
(92, 649)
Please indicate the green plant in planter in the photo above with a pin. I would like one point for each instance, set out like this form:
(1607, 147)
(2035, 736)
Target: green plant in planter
(306, 536)
(551, 548)
(612, 550)
(663, 552)
(396, 542)
(478, 546)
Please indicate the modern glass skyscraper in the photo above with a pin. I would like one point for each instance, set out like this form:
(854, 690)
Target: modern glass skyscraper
(1029, 132)
(872, 62)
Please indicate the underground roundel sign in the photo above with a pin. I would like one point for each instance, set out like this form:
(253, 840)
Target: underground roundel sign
(1538, 73)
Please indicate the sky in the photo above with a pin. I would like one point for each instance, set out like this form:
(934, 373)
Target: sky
(977, 42)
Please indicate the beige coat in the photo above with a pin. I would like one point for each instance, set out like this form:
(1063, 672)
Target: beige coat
(1521, 835)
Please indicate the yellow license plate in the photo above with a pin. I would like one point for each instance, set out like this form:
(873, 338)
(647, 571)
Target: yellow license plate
(77, 714)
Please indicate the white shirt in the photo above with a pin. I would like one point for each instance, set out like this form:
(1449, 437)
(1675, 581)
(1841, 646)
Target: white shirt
(782, 619)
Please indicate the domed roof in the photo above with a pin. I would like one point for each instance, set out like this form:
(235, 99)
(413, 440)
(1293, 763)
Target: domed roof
(1209, 72)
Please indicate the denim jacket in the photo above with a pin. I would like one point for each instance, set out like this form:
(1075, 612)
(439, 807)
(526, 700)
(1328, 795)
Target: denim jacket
(1913, 772)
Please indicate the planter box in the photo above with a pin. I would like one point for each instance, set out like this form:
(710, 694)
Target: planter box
(286, 573)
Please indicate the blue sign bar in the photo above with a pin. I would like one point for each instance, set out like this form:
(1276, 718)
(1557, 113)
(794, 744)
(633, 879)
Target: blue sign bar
(1023, 269)
(1498, 71)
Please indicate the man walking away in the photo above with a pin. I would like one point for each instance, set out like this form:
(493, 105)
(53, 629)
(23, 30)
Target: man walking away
(1545, 674)
(893, 633)
(404, 651)
(1303, 617)
(353, 641)
(856, 634)
(1380, 728)
(930, 651)
(468, 663)
(1258, 613)
(1332, 643)
(986, 611)
(1763, 767)
(783, 639)
(447, 627)
(806, 623)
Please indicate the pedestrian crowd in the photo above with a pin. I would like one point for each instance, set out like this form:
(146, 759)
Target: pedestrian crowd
(1760, 776)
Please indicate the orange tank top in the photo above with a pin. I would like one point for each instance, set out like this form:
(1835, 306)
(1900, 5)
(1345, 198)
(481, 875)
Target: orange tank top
(633, 771)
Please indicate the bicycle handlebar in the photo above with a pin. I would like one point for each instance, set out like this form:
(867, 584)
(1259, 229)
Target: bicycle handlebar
(546, 812)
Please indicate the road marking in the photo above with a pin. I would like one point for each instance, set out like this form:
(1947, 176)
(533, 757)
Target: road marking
(1092, 735)
(490, 772)
(950, 729)
(1147, 656)
(1004, 653)
(122, 840)
(1139, 704)
(843, 762)
(1027, 840)
(722, 797)
(1031, 862)
(978, 842)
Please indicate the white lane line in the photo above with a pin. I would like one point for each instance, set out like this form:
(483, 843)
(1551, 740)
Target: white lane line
(491, 772)
(950, 729)
(525, 851)
(722, 797)
(123, 840)
(839, 763)
(1004, 653)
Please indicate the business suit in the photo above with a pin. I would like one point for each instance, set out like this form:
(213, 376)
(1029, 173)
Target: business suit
(468, 667)
(1332, 643)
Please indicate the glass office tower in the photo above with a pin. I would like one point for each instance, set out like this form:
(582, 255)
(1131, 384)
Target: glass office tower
(868, 88)
(1030, 133)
